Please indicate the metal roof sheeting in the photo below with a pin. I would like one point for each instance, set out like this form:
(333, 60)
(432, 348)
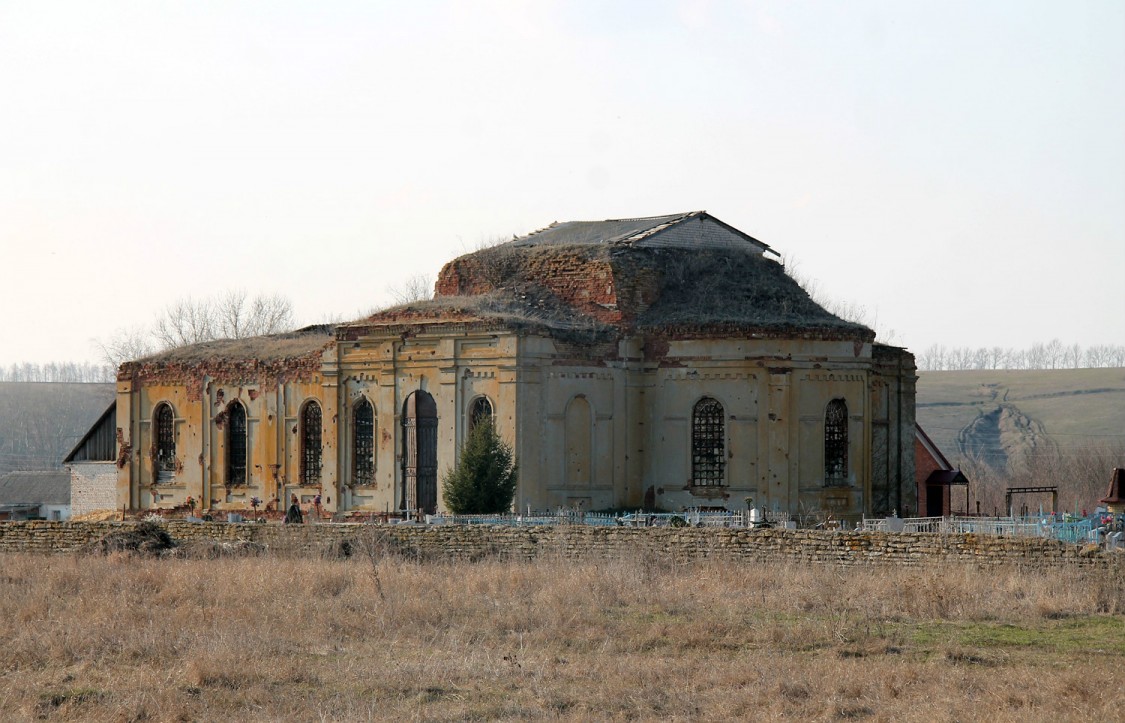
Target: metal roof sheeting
(35, 488)
(695, 229)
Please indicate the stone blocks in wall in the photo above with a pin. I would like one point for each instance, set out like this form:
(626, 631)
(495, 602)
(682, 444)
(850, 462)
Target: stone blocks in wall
(466, 543)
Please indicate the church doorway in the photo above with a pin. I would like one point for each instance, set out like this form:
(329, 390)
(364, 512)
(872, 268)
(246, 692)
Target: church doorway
(935, 506)
(419, 453)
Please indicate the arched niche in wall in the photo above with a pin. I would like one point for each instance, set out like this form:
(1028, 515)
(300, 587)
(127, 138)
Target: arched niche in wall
(479, 409)
(579, 434)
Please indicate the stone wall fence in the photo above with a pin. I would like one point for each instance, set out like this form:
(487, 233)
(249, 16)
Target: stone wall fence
(579, 542)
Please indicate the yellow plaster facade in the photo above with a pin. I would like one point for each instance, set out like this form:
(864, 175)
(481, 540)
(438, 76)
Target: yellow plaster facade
(612, 422)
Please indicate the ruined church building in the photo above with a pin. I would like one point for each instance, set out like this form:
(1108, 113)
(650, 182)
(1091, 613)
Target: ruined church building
(666, 360)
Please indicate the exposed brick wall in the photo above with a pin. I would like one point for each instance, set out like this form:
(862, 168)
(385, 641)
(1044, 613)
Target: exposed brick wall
(580, 278)
(924, 466)
(453, 542)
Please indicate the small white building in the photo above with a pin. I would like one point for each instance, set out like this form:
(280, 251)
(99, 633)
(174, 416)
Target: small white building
(35, 495)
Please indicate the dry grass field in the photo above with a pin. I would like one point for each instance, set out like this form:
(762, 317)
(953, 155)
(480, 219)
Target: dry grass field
(373, 637)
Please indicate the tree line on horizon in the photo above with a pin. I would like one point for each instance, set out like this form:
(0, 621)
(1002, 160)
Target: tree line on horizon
(1051, 355)
(65, 372)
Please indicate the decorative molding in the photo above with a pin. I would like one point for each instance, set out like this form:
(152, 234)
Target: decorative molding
(582, 375)
(834, 377)
(693, 375)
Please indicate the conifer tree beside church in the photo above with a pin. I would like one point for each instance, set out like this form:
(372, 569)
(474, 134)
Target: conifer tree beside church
(484, 480)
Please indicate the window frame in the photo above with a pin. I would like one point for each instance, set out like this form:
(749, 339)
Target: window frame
(476, 412)
(836, 443)
(708, 444)
(363, 445)
(232, 478)
(164, 443)
(311, 455)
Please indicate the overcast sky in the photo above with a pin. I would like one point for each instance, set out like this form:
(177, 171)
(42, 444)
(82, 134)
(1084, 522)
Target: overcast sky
(956, 168)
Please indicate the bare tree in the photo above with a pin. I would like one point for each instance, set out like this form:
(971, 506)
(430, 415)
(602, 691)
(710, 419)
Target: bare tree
(1099, 355)
(1116, 356)
(228, 316)
(1054, 354)
(1074, 356)
(933, 358)
(980, 358)
(231, 315)
(416, 288)
(237, 318)
(125, 344)
(185, 322)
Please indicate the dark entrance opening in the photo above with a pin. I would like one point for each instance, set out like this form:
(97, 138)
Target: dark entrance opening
(419, 453)
(935, 501)
(236, 445)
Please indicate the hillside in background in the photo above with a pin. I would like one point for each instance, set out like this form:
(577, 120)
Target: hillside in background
(1029, 427)
(40, 422)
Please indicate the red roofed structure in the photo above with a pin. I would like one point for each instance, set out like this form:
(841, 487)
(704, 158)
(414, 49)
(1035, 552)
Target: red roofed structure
(934, 476)
(1115, 500)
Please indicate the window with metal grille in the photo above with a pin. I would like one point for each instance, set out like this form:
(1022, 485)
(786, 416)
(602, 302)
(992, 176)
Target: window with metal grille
(310, 444)
(363, 471)
(481, 409)
(164, 449)
(836, 444)
(236, 445)
(708, 443)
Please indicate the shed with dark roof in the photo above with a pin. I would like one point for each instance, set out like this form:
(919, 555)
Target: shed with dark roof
(37, 494)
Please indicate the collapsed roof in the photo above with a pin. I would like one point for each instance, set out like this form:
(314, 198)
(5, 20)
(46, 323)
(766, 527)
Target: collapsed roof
(689, 272)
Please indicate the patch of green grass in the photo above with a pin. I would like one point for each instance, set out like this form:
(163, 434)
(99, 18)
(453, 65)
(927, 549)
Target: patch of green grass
(1080, 635)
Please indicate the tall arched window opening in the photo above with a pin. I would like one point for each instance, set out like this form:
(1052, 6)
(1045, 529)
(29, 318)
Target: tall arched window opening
(236, 445)
(480, 409)
(310, 444)
(419, 453)
(164, 443)
(836, 444)
(363, 471)
(708, 443)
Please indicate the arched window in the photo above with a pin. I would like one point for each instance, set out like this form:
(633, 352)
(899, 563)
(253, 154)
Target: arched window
(836, 444)
(236, 444)
(708, 443)
(164, 443)
(310, 444)
(363, 429)
(480, 409)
